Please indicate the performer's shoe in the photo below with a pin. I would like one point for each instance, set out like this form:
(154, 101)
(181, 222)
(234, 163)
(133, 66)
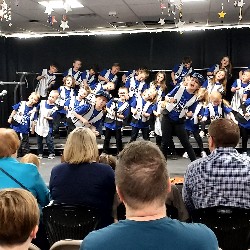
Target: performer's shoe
(40, 156)
(203, 154)
(185, 155)
(51, 156)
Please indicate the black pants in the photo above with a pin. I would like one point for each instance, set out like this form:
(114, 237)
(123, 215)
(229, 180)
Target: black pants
(60, 117)
(158, 140)
(198, 139)
(244, 135)
(169, 126)
(118, 137)
(135, 132)
(24, 146)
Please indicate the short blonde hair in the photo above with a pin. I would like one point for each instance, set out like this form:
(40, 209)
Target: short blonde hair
(30, 158)
(19, 215)
(9, 142)
(81, 146)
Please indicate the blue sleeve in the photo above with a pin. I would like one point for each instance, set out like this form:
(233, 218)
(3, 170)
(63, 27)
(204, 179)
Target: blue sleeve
(65, 73)
(173, 92)
(82, 109)
(234, 85)
(211, 69)
(67, 102)
(127, 84)
(247, 102)
(206, 112)
(227, 110)
(145, 86)
(176, 67)
(83, 75)
(103, 72)
(16, 106)
(108, 105)
(205, 84)
(133, 104)
(43, 194)
(37, 112)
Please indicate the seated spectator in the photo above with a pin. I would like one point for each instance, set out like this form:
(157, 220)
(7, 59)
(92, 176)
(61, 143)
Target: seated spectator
(222, 178)
(14, 174)
(142, 183)
(19, 219)
(80, 179)
(31, 158)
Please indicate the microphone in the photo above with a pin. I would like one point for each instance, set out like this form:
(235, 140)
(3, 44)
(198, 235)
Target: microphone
(3, 93)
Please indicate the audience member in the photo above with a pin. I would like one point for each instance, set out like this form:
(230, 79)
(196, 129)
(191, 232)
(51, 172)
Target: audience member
(19, 219)
(31, 158)
(222, 178)
(14, 174)
(142, 183)
(80, 179)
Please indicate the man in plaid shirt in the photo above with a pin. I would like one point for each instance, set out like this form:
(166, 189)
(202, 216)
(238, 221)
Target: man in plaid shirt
(223, 177)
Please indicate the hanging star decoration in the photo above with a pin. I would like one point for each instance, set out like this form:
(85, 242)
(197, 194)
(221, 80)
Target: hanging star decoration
(48, 9)
(222, 13)
(241, 3)
(64, 23)
(67, 7)
(162, 21)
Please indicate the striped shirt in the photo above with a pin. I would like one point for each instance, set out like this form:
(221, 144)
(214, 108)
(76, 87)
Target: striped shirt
(220, 179)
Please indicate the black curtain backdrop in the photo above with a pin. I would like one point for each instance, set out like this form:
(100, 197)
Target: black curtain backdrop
(156, 51)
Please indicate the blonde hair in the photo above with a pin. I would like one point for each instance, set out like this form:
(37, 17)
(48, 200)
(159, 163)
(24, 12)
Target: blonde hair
(19, 215)
(37, 95)
(202, 95)
(30, 158)
(217, 95)
(9, 142)
(81, 147)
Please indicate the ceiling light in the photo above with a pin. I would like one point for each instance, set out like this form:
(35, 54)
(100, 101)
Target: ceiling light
(60, 4)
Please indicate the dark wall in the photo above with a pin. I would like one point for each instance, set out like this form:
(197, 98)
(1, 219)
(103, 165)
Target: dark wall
(154, 50)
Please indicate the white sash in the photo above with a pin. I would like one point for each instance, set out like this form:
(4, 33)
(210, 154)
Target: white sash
(78, 123)
(214, 87)
(62, 98)
(179, 71)
(132, 88)
(158, 119)
(140, 109)
(72, 107)
(212, 112)
(196, 112)
(236, 100)
(42, 126)
(177, 97)
(120, 110)
(107, 76)
(18, 117)
(77, 75)
(44, 83)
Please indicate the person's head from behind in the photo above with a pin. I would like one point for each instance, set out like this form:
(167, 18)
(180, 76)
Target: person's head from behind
(223, 133)
(53, 95)
(9, 142)
(81, 147)
(19, 218)
(115, 68)
(187, 61)
(141, 175)
(108, 159)
(31, 158)
(246, 76)
(215, 98)
(77, 64)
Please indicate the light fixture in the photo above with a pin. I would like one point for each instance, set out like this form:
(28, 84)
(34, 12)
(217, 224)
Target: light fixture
(60, 4)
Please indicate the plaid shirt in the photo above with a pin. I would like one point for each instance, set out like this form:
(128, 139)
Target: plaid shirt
(222, 178)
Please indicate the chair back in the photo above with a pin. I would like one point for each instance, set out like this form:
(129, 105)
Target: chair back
(69, 221)
(231, 225)
(66, 245)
